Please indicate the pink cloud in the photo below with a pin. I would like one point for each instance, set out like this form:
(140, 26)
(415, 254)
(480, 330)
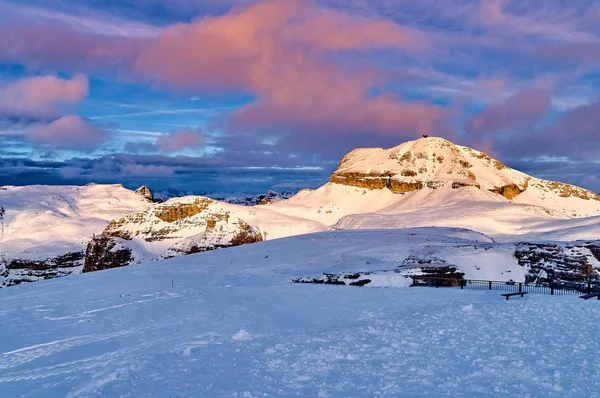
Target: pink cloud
(576, 132)
(522, 110)
(67, 132)
(573, 134)
(279, 51)
(43, 97)
(178, 140)
(491, 12)
(58, 45)
(492, 83)
(585, 55)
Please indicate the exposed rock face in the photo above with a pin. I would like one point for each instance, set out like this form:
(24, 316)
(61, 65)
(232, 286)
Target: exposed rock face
(509, 191)
(145, 192)
(17, 271)
(105, 252)
(182, 211)
(567, 191)
(559, 263)
(264, 199)
(243, 234)
(169, 220)
(184, 226)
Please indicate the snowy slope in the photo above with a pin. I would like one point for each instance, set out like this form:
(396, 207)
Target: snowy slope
(46, 228)
(432, 182)
(234, 326)
(43, 220)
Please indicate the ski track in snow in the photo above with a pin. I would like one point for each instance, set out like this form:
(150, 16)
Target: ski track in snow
(233, 325)
(319, 340)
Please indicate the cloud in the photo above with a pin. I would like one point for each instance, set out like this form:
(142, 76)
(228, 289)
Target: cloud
(80, 18)
(282, 53)
(193, 173)
(42, 105)
(67, 132)
(160, 172)
(574, 133)
(584, 54)
(42, 98)
(51, 44)
(521, 111)
(173, 141)
(320, 77)
(178, 140)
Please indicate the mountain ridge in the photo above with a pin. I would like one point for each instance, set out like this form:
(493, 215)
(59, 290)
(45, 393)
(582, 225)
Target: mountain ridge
(422, 183)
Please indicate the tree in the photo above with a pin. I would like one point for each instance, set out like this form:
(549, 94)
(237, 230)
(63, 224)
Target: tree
(2, 213)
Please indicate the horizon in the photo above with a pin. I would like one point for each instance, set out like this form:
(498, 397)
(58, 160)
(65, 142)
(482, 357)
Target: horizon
(245, 96)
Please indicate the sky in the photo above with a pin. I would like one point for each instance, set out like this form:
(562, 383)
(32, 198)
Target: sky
(247, 95)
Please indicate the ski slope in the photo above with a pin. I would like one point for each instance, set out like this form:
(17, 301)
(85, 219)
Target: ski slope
(232, 325)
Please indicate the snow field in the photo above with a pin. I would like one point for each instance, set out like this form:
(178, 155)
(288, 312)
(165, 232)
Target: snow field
(233, 325)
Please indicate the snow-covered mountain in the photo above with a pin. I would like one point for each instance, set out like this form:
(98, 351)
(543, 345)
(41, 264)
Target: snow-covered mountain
(46, 228)
(436, 163)
(237, 199)
(421, 183)
(427, 182)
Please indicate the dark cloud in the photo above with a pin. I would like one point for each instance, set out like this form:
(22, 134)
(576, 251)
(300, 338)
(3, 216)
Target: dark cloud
(522, 110)
(160, 172)
(573, 135)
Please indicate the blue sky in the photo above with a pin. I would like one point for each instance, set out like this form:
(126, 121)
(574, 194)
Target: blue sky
(249, 95)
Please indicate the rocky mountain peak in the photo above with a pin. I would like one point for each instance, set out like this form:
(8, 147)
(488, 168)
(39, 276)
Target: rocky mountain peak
(145, 192)
(433, 162)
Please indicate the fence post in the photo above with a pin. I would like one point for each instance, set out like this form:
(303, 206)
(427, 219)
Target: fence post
(437, 283)
(589, 289)
(552, 289)
(520, 287)
(490, 284)
(462, 282)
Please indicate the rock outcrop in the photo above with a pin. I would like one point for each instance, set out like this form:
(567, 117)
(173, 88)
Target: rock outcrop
(16, 271)
(104, 252)
(559, 262)
(145, 192)
(509, 191)
(241, 234)
(184, 226)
